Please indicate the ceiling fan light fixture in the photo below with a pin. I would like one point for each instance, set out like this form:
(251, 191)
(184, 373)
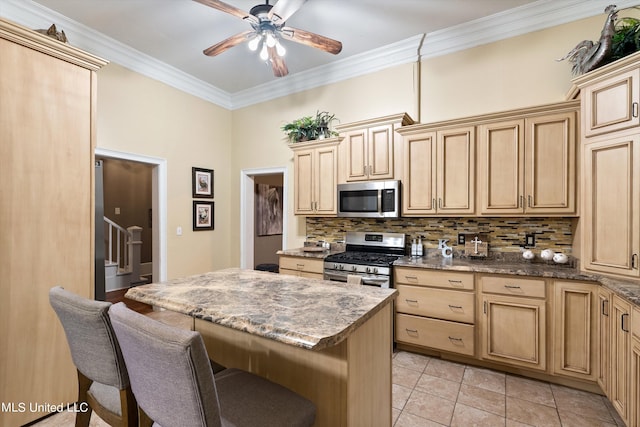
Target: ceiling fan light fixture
(280, 50)
(264, 53)
(270, 39)
(254, 42)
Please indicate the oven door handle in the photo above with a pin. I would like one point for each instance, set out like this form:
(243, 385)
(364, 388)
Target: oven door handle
(372, 281)
(338, 277)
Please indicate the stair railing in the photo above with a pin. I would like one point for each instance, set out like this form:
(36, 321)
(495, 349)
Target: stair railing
(118, 241)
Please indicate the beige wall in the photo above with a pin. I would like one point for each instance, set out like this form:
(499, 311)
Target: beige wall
(139, 115)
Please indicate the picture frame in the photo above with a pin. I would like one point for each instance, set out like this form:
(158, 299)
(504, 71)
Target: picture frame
(202, 183)
(203, 215)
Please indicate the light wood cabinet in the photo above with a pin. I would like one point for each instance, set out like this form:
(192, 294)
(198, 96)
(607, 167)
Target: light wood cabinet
(574, 326)
(315, 177)
(47, 138)
(435, 310)
(620, 356)
(528, 165)
(302, 266)
(439, 172)
(611, 214)
(371, 149)
(634, 408)
(611, 103)
(513, 328)
(603, 340)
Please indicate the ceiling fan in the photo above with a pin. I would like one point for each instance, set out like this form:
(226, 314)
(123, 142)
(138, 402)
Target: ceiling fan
(268, 28)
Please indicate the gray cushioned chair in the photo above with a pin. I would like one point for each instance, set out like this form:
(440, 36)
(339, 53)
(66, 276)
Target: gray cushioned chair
(175, 386)
(103, 381)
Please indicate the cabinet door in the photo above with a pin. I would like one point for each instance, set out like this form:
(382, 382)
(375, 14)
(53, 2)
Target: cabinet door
(501, 167)
(356, 152)
(513, 331)
(634, 417)
(550, 164)
(611, 104)
(380, 152)
(620, 355)
(303, 166)
(612, 205)
(573, 324)
(455, 169)
(325, 181)
(603, 340)
(419, 185)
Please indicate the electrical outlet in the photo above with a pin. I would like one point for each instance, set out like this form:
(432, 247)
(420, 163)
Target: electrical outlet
(530, 240)
(461, 239)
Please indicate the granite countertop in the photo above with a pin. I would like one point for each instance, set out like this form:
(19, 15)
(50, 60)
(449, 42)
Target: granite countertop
(303, 312)
(628, 289)
(302, 253)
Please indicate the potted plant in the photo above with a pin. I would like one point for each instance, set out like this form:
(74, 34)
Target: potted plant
(309, 128)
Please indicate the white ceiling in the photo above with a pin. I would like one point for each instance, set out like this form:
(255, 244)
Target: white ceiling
(174, 32)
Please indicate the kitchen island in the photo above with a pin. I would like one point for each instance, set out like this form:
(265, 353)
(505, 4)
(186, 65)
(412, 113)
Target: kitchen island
(330, 342)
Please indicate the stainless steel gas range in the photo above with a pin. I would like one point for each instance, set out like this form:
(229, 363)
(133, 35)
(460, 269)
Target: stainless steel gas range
(368, 256)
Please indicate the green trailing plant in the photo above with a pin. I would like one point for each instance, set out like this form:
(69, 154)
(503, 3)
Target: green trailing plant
(309, 128)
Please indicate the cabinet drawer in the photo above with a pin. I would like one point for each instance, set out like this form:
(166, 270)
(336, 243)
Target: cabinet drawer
(437, 334)
(512, 285)
(439, 303)
(435, 278)
(309, 265)
(299, 273)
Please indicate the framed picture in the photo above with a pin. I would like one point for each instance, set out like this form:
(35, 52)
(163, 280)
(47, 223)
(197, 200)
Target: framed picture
(202, 215)
(202, 183)
(268, 209)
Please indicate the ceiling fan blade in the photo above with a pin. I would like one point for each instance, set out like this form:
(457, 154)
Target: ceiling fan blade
(277, 63)
(227, 44)
(312, 39)
(283, 9)
(232, 10)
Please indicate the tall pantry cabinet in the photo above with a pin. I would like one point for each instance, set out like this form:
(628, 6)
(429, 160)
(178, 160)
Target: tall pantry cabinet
(47, 139)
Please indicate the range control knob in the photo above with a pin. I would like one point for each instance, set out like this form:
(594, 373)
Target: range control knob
(375, 270)
(368, 270)
(354, 268)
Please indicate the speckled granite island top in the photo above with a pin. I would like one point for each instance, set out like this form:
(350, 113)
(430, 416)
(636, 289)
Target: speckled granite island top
(302, 312)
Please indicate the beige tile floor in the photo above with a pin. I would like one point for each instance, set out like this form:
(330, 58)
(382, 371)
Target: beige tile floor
(430, 392)
(433, 392)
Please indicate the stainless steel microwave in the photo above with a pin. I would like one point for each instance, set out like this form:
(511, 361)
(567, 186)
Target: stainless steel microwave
(372, 199)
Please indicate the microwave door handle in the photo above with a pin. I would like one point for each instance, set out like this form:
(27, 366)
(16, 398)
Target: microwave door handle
(380, 202)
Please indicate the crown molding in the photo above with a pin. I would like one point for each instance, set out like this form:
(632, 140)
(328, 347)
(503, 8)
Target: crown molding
(532, 17)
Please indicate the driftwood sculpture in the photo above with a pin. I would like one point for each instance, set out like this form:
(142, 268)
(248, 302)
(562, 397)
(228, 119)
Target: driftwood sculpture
(587, 55)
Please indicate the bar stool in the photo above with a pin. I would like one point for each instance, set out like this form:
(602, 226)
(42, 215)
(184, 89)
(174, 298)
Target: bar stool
(103, 381)
(175, 386)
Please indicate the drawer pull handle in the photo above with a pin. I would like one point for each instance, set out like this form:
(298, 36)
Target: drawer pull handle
(458, 307)
(411, 301)
(455, 339)
(512, 286)
(411, 277)
(456, 283)
(411, 331)
(300, 266)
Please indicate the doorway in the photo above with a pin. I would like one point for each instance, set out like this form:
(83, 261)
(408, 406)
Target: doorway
(257, 249)
(157, 218)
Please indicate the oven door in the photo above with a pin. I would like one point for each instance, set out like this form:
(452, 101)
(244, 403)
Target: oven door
(377, 280)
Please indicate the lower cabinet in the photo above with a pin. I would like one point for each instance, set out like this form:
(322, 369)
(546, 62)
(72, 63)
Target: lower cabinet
(436, 310)
(302, 266)
(574, 324)
(634, 417)
(513, 321)
(620, 356)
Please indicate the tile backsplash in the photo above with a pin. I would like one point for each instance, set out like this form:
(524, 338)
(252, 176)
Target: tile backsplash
(504, 234)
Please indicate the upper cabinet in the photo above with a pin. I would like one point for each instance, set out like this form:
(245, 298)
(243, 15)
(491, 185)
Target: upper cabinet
(370, 150)
(611, 104)
(439, 172)
(611, 168)
(315, 177)
(528, 165)
(511, 163)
